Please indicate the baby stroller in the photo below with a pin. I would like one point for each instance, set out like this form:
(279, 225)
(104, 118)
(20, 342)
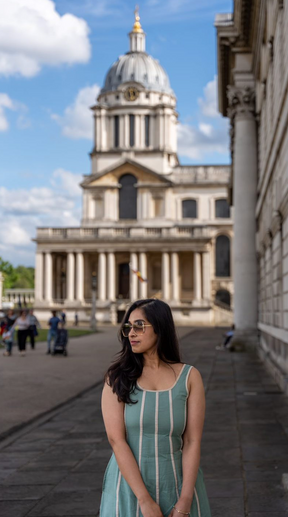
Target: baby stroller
(61, 341)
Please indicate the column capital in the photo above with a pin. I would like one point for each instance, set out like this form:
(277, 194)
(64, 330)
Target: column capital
(241, 102)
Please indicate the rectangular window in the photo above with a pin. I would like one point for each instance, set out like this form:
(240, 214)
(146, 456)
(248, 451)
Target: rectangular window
(147, 130)
(132, 130)
(116, 131)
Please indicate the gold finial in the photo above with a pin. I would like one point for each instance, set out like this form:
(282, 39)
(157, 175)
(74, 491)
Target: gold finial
(137, 25)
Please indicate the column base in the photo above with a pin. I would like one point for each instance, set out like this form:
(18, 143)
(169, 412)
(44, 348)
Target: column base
(246, 339)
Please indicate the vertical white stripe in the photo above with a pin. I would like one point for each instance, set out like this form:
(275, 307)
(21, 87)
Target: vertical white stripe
(156, 446)
(197, 501)
(186, 382)
(140, 441)
(171, 443)
(117, 494)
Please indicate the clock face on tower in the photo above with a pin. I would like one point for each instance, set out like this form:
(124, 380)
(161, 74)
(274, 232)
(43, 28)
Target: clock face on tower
(131, 94)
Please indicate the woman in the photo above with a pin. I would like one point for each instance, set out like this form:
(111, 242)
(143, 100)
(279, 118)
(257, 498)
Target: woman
(34, 325)
(153, 408)
(23, 323)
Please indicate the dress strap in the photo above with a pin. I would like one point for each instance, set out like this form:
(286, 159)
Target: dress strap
(182, 383)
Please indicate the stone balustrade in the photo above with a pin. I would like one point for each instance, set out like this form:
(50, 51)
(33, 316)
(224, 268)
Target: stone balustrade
(128, 233)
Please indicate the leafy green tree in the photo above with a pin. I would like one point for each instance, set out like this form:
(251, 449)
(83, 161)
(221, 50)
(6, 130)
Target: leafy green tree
(21, 276)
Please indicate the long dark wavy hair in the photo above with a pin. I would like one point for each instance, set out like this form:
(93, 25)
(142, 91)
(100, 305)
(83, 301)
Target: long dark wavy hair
(123, 373)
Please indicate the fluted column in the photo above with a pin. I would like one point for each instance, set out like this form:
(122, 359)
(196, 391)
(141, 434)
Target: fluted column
(70, 277)
(111, 277)
(206, 275)
(165, 276)
(48, 277)
(143, 271)
(39, 276)
(197, 276)
(102, 276)
(80, 277)
(244, 153)
(58, 277)
(133, 277)
(175, 276)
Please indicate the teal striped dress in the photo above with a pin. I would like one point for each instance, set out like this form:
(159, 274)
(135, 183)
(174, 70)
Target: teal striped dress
(154, 431)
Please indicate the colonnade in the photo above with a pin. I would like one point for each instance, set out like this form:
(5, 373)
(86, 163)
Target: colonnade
(74, 274)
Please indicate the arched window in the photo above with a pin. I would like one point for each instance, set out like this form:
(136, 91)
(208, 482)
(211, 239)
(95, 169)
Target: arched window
(189, 208)
(128, 197)
(222, 256)
(222, 209)
(223, 296)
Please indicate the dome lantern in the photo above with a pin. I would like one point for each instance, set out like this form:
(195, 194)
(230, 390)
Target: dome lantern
(137, 35)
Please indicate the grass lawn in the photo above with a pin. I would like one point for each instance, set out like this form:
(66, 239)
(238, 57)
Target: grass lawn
(42, 336)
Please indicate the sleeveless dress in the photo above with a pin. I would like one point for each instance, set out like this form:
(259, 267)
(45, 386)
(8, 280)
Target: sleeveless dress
(154, 429)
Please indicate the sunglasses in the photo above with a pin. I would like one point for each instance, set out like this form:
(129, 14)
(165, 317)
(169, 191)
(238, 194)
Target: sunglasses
(138, 328)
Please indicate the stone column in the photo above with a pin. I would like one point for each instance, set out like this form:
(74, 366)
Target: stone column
(165, 276)
(70, 277)
(143, 271)
(206, 275)
(39, 276)
(102, 276)
(133, 277)
(197, 281)
(58, 277)
(48, 277)
(111, 277)
(175, 276)
(80, 277)
(244, 159)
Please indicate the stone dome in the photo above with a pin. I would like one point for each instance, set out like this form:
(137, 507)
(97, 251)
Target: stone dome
(138, 67)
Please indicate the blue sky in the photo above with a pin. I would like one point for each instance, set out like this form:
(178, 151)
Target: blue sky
(53, 59)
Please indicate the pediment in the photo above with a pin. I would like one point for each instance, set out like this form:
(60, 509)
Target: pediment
(112, 175)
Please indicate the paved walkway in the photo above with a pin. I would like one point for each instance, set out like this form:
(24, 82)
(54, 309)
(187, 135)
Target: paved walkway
(55, 467)
(37, 383)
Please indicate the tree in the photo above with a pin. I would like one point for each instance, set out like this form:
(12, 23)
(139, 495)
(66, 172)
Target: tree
(21, 276)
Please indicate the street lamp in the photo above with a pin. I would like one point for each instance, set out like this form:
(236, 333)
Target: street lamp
(93, 308)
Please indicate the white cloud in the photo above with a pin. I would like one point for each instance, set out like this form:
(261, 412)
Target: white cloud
(33, 34)
(26, 209)
(209, 104)
(210, 135)
(77, 121)
(5, 103)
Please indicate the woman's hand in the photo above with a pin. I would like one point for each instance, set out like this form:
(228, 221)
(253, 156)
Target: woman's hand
(150, 509)
(183, 505)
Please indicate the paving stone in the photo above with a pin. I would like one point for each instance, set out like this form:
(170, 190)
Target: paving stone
(264, 497)
(15, 508)
(22, 493)
(224, 487)
(221, 507)
(37, 477)
(77, 481)
(61, 504)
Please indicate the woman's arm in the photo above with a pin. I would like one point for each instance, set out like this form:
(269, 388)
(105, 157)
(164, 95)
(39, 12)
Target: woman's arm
(192, 439)
(113, 415)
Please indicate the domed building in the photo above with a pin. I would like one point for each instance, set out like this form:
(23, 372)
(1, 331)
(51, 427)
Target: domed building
(150, 227)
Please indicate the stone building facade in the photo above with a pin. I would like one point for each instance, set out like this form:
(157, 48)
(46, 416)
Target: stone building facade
(253, 81)
(142, 211)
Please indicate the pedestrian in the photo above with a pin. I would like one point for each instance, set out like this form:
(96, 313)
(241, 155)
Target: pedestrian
(8, 333)
(63, 317)
(227, 345)
(76, 319)
(34, 325)
(22, 323)
(52, 332)
(153, 408)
